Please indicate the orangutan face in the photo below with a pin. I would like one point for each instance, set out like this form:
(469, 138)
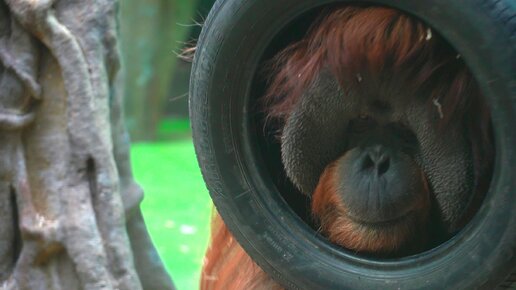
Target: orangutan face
(378, 129)
(382, 153)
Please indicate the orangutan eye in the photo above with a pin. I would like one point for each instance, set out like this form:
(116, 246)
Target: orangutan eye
(361, 124)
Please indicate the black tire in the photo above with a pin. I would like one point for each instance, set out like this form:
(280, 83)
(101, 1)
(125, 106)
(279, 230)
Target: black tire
(232, 44)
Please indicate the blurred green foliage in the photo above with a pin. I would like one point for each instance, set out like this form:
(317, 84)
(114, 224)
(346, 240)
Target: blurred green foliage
(172, 129)
(176, 208)
(153, 33)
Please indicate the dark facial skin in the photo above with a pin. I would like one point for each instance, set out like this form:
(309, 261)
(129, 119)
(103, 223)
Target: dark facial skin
(390, 158)
(377, 179)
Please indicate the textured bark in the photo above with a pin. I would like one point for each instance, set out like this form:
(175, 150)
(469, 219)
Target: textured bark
(67, 196)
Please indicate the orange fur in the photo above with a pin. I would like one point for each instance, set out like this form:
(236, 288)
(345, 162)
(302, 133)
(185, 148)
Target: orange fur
(227, 266)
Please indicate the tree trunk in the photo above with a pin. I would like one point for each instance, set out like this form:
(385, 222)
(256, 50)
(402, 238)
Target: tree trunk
(69, 207)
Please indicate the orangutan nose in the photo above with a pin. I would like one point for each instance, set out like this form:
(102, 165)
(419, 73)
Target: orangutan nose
(376, 158)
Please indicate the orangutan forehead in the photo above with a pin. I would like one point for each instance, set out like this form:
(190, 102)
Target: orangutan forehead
(375, 39)
(370, 50)
(380, 53)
